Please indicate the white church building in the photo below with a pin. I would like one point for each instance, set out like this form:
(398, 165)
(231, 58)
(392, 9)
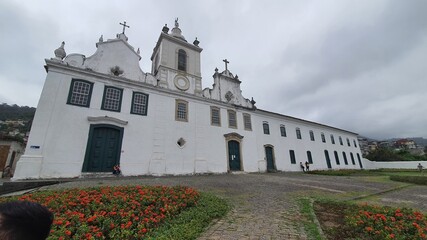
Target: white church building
(100, 111)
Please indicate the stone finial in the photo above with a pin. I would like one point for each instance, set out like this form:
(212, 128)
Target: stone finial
(165, 29)
(101, 39)
(138, 51)
(216, 70)
(253, 102)
(176, 31)
(236, 77)
(196, 42)
(60, 52)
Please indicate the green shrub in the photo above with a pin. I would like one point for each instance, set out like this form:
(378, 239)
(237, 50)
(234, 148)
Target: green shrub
(341, 172)
(421, 180)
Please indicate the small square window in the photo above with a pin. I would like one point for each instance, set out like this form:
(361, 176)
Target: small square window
(322, 135)
(112, 99)
(80, 93)
(181, 110)
(139, 103)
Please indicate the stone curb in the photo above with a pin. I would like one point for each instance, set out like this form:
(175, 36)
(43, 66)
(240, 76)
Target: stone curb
(315, 220)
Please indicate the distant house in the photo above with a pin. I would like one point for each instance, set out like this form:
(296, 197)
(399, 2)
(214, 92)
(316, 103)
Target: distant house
(405, 144)
(10, 152)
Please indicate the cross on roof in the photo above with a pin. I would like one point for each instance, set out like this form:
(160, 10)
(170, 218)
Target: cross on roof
(124, 26)
(226, 62)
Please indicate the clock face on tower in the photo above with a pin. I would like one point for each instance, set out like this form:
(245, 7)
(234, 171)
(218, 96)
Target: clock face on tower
(182, 83)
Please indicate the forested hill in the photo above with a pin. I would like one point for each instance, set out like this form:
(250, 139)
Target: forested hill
(15, 112)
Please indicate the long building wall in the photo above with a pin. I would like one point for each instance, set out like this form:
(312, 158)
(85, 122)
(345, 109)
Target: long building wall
(60, 133)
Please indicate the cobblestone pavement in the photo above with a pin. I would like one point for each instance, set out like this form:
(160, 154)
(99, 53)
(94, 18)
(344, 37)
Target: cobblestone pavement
(264, 205)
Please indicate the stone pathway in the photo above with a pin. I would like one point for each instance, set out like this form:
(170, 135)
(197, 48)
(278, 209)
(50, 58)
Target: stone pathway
(264, 205)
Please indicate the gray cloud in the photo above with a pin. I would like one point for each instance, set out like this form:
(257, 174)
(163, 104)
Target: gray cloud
(357, 65)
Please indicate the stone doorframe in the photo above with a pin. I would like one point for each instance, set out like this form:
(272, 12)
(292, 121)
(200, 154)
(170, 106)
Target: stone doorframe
(233, 136)
(274, 157)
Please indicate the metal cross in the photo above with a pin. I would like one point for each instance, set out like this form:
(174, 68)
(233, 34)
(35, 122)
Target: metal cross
(124, 26)
(225, 60)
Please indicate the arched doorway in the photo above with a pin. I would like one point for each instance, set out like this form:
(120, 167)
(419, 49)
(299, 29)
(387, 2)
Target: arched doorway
(234, 156)
(269, 157)
(103, 148)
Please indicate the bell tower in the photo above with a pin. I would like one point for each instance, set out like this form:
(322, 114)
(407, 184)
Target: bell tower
(176, 63)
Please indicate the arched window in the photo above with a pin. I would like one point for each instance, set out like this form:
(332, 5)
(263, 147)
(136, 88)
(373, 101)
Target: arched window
(332, 139)
(292, 154)
(298, 132)
(323, 137)
(345, 158)
(266, 127)
(337, 159)
(282, 131)
(309, 157)
(311, 135)
(352, 158)
(182, 60)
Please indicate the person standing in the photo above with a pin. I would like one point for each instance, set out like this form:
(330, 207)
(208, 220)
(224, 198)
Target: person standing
(302, 166)
(307, 166)
(420, 167)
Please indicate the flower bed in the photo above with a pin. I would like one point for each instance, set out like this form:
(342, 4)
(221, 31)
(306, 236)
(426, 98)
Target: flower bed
(388, 223)
(348, 221)
(126, 212)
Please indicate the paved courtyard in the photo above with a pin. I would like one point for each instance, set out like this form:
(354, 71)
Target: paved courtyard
(265, 205)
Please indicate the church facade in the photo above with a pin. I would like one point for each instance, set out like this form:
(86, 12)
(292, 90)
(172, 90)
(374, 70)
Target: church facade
(100, 111)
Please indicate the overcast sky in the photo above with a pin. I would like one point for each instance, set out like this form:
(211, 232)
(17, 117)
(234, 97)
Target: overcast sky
(357, 65)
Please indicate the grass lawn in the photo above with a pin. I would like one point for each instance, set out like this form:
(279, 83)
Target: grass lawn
(379, 172)
(128, 212)
(400, 175)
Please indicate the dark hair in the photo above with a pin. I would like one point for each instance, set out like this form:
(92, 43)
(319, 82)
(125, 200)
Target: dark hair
(21, 220)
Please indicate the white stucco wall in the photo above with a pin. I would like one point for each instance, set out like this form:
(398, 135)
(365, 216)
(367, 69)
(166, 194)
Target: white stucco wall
(395, 165)
(60, 132)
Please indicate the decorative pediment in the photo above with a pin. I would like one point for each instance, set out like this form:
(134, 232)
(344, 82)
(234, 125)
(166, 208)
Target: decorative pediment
(233, 135)
(107, 119)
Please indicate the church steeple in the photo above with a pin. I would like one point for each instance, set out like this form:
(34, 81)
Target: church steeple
(176, 62)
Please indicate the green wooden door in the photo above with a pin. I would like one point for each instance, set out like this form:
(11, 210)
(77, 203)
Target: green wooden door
(234, 155)
(104, 148)
(328, 160)
(269, 157)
